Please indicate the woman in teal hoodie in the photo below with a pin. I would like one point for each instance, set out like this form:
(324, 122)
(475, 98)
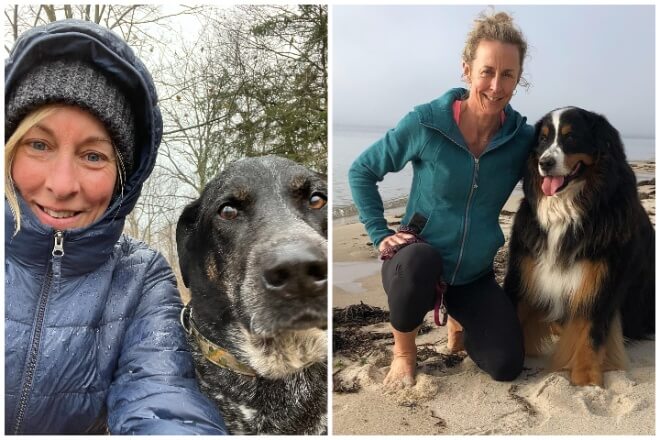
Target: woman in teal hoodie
(468, 149)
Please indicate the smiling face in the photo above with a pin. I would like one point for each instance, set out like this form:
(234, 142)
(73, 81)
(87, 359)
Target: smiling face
(65, 168)
(493, 76)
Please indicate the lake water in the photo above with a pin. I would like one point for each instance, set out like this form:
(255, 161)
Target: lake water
(349, 143)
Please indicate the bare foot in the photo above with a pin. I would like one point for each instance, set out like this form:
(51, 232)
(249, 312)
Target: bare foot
(454, 336)
(404, 361)
(402, 371)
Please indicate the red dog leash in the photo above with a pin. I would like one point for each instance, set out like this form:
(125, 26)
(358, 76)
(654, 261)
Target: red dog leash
(440, 307)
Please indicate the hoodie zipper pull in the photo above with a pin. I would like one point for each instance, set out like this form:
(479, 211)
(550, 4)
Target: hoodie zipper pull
(58, 249)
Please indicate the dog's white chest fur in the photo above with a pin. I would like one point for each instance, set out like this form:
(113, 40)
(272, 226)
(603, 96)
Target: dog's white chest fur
(554, 286)
(553, 283)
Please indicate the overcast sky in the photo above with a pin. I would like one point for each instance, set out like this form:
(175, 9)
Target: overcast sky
(387, 59)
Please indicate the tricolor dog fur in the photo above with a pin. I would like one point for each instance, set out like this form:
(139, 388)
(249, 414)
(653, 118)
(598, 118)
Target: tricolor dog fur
(253, 251)
(582, 248)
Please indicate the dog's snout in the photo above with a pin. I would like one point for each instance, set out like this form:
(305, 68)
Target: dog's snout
(296, 269)
(547, 163)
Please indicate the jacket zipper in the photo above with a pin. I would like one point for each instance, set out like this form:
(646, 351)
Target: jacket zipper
(475, 176)
(58, 252)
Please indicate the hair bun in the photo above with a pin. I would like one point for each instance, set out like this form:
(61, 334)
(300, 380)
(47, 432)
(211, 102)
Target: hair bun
(495, 26)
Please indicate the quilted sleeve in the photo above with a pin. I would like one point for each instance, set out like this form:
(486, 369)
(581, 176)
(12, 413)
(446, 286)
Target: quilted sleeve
(154, 390)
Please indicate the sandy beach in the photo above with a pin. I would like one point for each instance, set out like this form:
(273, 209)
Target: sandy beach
(452, 396)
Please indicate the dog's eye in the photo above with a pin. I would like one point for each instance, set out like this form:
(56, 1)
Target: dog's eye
(228, 212)
(317, 201)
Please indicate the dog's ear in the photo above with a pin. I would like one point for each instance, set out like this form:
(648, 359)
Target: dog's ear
(537, 128)
(184, 231)
(535, 140)
(608, 139)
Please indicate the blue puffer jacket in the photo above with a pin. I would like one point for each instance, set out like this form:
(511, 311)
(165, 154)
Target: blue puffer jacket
(92, 336)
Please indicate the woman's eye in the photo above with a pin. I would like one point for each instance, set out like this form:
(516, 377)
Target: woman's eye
(38, 145)
(317, 201)
(94, 157)
(228, 212)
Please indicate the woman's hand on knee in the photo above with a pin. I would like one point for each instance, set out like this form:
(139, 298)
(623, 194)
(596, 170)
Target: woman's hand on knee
(393, 240)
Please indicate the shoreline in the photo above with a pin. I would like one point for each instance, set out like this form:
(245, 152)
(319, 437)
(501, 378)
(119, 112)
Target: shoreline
(348, 213)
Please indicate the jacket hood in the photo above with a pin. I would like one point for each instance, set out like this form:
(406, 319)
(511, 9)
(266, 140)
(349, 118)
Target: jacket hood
(86, 248)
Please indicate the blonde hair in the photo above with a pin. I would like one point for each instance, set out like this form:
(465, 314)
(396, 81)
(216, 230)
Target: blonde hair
(12, 145)
(495, 27)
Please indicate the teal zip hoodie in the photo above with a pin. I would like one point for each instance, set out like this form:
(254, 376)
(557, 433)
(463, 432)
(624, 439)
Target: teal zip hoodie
(459, 196)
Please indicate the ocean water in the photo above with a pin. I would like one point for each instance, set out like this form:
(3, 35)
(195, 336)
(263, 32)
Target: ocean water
(349, 143)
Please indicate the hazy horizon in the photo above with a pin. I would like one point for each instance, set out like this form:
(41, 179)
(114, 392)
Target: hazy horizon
(387, 59)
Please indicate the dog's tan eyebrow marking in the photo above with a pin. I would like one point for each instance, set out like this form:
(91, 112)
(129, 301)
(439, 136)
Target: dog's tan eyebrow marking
(545, 130)
(240, 192)
(566, 128)
(298, 182)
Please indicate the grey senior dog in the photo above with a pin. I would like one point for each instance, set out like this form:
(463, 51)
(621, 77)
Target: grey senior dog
(253, 251)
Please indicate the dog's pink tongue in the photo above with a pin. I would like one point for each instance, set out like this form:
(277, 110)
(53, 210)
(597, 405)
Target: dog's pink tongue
(550, 184)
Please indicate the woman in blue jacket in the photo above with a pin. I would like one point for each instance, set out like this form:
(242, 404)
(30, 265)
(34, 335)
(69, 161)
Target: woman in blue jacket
(468, 150)
(92, 336)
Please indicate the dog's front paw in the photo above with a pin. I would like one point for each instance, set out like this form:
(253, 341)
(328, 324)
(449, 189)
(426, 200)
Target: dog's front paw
(587, 376)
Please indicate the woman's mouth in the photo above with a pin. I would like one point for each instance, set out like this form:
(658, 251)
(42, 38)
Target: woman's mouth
(59, 214)
(491, 98)
(58, 218)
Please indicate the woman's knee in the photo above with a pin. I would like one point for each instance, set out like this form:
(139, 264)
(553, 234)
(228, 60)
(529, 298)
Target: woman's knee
(505, 365)
(506, 371)
(419, 259)
(408, 305)
(502, 359)
(410, 280)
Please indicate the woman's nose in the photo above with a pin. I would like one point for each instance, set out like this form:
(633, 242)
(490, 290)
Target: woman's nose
(62, 179)
(496, 83)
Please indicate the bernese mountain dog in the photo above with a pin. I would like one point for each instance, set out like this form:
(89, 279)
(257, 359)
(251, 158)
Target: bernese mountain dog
(582, 248)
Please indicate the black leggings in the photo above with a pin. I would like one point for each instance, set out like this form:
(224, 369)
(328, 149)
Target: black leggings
(491, 331)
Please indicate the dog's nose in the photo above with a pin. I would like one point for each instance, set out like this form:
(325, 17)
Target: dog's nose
(547, 163)
(296, 269)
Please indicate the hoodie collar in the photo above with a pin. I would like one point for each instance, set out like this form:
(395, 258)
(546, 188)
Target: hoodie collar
(438, 115)
(85, 249)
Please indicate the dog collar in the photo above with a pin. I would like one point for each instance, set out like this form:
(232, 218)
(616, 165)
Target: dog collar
(213, 352)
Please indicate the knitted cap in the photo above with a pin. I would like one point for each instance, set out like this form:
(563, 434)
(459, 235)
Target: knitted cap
(75, 83)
